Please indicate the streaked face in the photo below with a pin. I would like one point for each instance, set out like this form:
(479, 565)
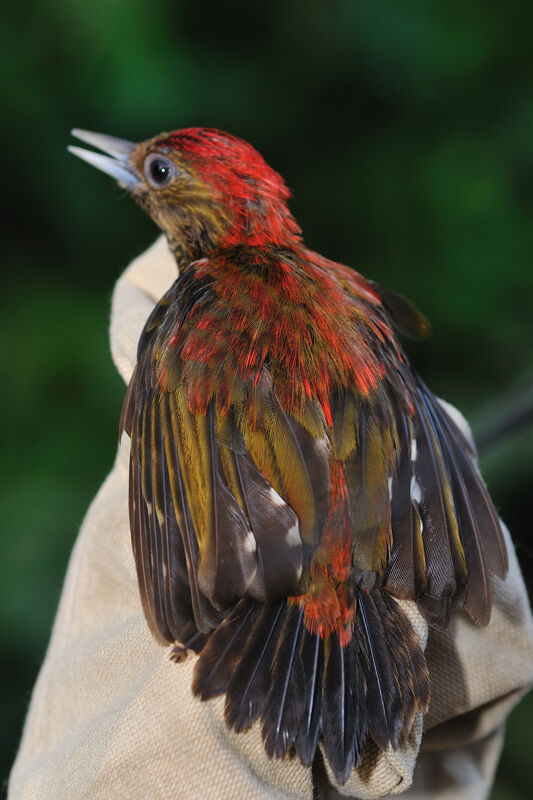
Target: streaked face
(203, 188)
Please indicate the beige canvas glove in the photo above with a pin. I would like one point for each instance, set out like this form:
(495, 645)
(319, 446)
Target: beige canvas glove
(112, 717)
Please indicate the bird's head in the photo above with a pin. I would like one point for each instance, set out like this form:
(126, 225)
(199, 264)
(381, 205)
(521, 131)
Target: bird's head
(205, 189)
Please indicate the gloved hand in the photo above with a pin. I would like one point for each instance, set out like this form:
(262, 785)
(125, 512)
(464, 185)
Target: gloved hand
(112, 717)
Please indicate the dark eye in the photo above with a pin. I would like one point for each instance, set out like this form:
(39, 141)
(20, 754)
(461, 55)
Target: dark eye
(159, 169)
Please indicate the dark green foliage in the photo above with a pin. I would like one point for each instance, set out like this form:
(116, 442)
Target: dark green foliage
(406, 133)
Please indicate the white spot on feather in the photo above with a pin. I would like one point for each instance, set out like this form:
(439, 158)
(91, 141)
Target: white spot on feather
(413, 450)
(322, 446)
(250, 545)
(276, 499)
(390, 487)
(416, 491)
(293, 536)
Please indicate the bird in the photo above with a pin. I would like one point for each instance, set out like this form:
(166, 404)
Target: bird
(292, 479)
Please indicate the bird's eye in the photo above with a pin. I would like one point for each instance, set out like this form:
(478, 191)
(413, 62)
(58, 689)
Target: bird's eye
(159, 170)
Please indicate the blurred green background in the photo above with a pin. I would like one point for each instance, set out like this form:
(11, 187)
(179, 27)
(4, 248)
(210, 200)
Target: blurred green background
(405, 130)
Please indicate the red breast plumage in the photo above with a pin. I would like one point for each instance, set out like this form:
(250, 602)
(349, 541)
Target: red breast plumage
(291, 476)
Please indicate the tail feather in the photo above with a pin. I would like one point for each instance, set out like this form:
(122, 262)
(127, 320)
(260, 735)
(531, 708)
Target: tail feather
(412, 675)
(222, 653)
(305, 689)
(345, 724)
(312, 655)
(284, 703)
(384, 700)
(249, 686)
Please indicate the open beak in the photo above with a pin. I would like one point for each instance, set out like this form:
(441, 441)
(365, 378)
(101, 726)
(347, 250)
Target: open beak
(118, 166)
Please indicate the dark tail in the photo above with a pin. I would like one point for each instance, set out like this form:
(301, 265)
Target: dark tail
(305, 689)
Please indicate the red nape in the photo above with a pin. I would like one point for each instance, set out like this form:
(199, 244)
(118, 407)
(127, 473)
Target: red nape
(254, 193)
(288, 320)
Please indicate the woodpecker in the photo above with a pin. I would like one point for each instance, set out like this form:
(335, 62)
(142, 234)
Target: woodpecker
(292, 478)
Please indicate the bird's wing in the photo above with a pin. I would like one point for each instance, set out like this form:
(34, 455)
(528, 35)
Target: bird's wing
(435, 532)
(446, 535)
(225, 501)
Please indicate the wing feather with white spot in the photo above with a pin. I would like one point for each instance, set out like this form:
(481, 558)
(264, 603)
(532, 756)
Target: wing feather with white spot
(232, 534)
(223, 504)
(446, 536)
